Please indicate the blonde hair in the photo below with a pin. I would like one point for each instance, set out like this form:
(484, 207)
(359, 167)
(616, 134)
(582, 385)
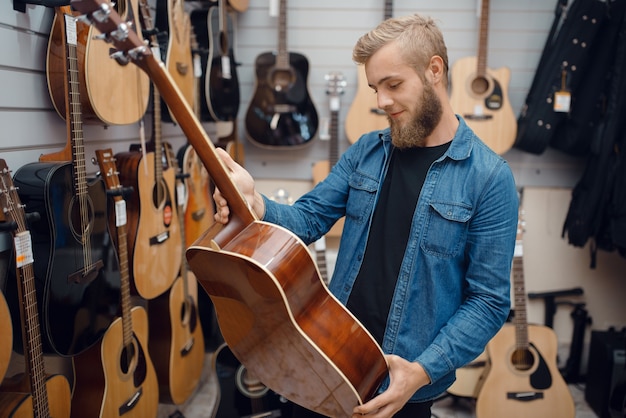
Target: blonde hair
(418, 36)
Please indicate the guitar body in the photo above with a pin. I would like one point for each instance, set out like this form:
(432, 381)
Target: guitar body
(221, 92)
(281, 112)
(176, 53)
(364, 115)
(469, 378)
(241, 395)
(199, 210)
(154, 238)
(178, 349)
(103, 81)
(19, 403)
(275, 313)
(484, 103)
(6, 329)
(77, 287)
(126, 384)
(537, 391)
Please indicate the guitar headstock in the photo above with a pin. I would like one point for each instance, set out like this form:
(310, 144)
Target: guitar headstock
(12, 208)
(335, 88)
(114, 30)
(108, 169)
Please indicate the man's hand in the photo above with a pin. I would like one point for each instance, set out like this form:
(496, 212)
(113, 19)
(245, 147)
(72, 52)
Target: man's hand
(244, 182)
(405, 379)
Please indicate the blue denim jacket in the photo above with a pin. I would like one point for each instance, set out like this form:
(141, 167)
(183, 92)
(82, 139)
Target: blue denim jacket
(453, 290)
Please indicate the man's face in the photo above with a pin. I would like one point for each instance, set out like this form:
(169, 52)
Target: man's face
(411, 103)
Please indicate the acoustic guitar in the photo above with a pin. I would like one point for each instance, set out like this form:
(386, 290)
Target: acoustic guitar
(335, 88)
(6, 329)
(116, 377)
(154, 236)
(32, 393)
(281, 113)
(480, 94)
(469, 377)
(75, 267)
(364, 115)
(176, 339)
(239, 5)
(271, 305)
(241, 394)
(175, 48)
(522, 378)
(112, 93)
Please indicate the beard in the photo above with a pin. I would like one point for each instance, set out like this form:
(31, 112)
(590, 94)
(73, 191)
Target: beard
(422, 123)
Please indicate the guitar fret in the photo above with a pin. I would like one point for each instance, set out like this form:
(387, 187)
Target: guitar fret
(483, 35)
(282, 58)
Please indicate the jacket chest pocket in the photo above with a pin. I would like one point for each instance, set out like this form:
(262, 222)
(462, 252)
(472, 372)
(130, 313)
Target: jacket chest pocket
(446, 229)
(361, 198)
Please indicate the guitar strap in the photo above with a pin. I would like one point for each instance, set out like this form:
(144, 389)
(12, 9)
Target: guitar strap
(562, 68)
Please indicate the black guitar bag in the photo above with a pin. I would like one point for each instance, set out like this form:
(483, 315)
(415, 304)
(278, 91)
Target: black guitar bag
(564, 63)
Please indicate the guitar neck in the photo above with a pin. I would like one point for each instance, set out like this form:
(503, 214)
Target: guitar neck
(388, 9)
(483, 34)
(282, 58)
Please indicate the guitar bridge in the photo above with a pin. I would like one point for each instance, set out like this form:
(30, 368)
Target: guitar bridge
(524, 396)
(86, 276)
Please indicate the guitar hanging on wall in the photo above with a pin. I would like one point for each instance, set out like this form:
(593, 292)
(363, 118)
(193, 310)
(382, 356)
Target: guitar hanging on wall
(364, 115)
(522, 378)
(281, 113)
(32, 393)
(329, 362)
(480, 94)
(75, 265)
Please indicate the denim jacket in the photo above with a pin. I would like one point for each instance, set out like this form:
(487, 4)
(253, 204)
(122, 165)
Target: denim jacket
(453, 291)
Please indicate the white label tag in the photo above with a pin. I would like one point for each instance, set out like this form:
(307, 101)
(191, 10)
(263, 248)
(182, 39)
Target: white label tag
(70, 29)
(23, 249)
(226, 67)
(120, 212)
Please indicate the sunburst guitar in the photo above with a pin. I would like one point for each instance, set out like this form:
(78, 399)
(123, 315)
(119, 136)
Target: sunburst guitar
(522, 379)
(480, 94)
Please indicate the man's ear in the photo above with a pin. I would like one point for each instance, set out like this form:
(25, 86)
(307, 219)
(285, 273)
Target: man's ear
(435, 69)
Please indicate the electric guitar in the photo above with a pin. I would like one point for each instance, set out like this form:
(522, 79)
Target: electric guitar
(75, 267)
(364, 115)
(480, 94)
(111, 92)
(334, 89)
(271, 304)
(240, 393)
(153, 231)
(281, 112)
(116, 378)
(221, 86)
(176, 339)
(32, 393)
(522, 378)
(175, 48)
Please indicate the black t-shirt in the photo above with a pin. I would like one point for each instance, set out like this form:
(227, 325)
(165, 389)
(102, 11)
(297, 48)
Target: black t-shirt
(375, 284)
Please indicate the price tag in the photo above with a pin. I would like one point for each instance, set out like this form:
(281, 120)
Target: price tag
(23, 249)
(562, 98)
(120, 212)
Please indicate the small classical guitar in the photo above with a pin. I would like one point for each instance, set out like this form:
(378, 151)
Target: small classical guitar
(271, 305)
(480, 94)
(176, 339)
(33, 393)
(241, 394)
(364, 115)
(172, 18)
(522, 378)
(281, 113)
(335, 88)
(111, 92)
(75, 265)
(154, 236)
(116, 378)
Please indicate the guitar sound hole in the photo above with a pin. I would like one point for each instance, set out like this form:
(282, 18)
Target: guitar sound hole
(158, 194)
(81, 216)
(282, 80)
(480, 85)
(127, 358)
(523, 360)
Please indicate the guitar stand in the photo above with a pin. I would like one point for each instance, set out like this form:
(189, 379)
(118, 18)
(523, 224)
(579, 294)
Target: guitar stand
(571, 371)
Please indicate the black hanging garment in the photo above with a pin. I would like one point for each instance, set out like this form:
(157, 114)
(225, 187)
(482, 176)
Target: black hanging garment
(563, 65)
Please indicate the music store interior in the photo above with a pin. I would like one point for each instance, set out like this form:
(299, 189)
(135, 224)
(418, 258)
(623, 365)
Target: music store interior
(98, 301)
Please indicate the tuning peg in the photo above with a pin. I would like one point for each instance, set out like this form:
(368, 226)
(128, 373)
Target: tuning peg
(120, 57)
(103, 13)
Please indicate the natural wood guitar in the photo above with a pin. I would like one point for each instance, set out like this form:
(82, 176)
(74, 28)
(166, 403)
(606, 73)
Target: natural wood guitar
(364, 115)
(522, 379)
(480, 94)
(33, 393)
(116, 377)
(281, 113)
(176, 339)
(334, 89)
(6, 329)
(111, 92)
(468, 378)
(271, 305)
(75, 267)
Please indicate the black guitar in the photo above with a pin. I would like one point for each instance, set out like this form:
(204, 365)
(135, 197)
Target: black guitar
(219, 86)
(76, 270)
(281, 112)
(241, 395)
